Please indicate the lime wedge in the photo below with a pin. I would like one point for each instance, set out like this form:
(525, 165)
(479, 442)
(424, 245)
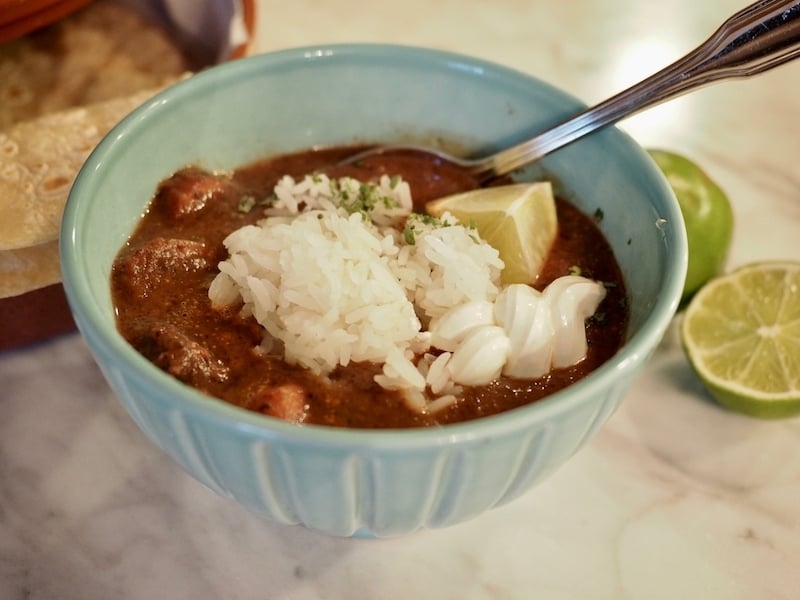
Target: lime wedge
(741, 333)
(519, 220)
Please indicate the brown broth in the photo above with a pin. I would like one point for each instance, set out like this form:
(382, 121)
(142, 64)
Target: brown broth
(160, 285)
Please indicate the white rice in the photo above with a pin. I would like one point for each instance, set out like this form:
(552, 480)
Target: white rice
(333, 279)
(331, 287)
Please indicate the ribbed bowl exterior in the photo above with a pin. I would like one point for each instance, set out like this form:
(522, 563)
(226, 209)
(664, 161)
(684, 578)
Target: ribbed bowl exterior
(362, 489)
(343, 482)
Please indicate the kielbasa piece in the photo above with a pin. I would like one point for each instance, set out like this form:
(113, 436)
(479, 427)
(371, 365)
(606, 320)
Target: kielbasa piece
(188, 191)
(287, 402)
(181, 356)
(146, 266)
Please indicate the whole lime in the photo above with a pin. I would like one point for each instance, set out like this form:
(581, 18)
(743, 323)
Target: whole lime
(707, 213)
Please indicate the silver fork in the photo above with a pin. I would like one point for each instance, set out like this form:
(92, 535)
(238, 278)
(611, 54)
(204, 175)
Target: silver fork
(757, 38)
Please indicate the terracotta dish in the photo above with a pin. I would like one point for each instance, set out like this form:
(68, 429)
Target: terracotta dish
(20, 17)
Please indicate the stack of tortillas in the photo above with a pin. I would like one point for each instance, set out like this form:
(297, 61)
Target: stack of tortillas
(39, 160)
(61, 90)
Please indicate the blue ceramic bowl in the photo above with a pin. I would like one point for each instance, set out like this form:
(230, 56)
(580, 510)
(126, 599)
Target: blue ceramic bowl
(345, 482)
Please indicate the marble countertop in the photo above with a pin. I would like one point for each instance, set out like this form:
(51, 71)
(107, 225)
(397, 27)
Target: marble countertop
(674, 498)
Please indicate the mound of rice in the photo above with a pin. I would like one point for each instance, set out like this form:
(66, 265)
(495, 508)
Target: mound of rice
(343, 271)
(332, 279)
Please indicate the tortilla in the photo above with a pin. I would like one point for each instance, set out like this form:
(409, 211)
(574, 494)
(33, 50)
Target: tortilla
(106, 50)
(28, 268)
(39, 160)
(62, 88)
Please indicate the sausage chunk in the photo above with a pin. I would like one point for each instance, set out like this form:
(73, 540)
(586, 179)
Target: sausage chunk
(148, 265)
(287, 402)
(181, 356)
(188, 191)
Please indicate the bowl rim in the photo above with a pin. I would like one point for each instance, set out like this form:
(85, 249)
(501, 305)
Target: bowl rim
(95, 327)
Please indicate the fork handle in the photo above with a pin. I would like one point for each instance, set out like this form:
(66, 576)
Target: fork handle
(755, 39)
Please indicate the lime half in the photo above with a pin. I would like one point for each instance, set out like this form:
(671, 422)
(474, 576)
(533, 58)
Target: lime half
(741, 333)
(519, 220)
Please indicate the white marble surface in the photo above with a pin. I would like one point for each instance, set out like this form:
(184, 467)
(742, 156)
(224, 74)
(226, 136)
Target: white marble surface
(674, 498)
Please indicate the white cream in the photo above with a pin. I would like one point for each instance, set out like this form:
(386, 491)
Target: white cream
(524, 333)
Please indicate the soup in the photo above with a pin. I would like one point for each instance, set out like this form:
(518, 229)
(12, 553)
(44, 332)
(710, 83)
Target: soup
(161, 279)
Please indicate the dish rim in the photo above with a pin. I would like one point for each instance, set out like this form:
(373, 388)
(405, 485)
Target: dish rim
(96, 328)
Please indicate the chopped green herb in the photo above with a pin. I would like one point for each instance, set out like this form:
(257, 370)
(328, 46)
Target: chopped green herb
(599, 215)
(417, 223)
(409, 235)
(246, 204)
(369, 196)
(575, 270)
